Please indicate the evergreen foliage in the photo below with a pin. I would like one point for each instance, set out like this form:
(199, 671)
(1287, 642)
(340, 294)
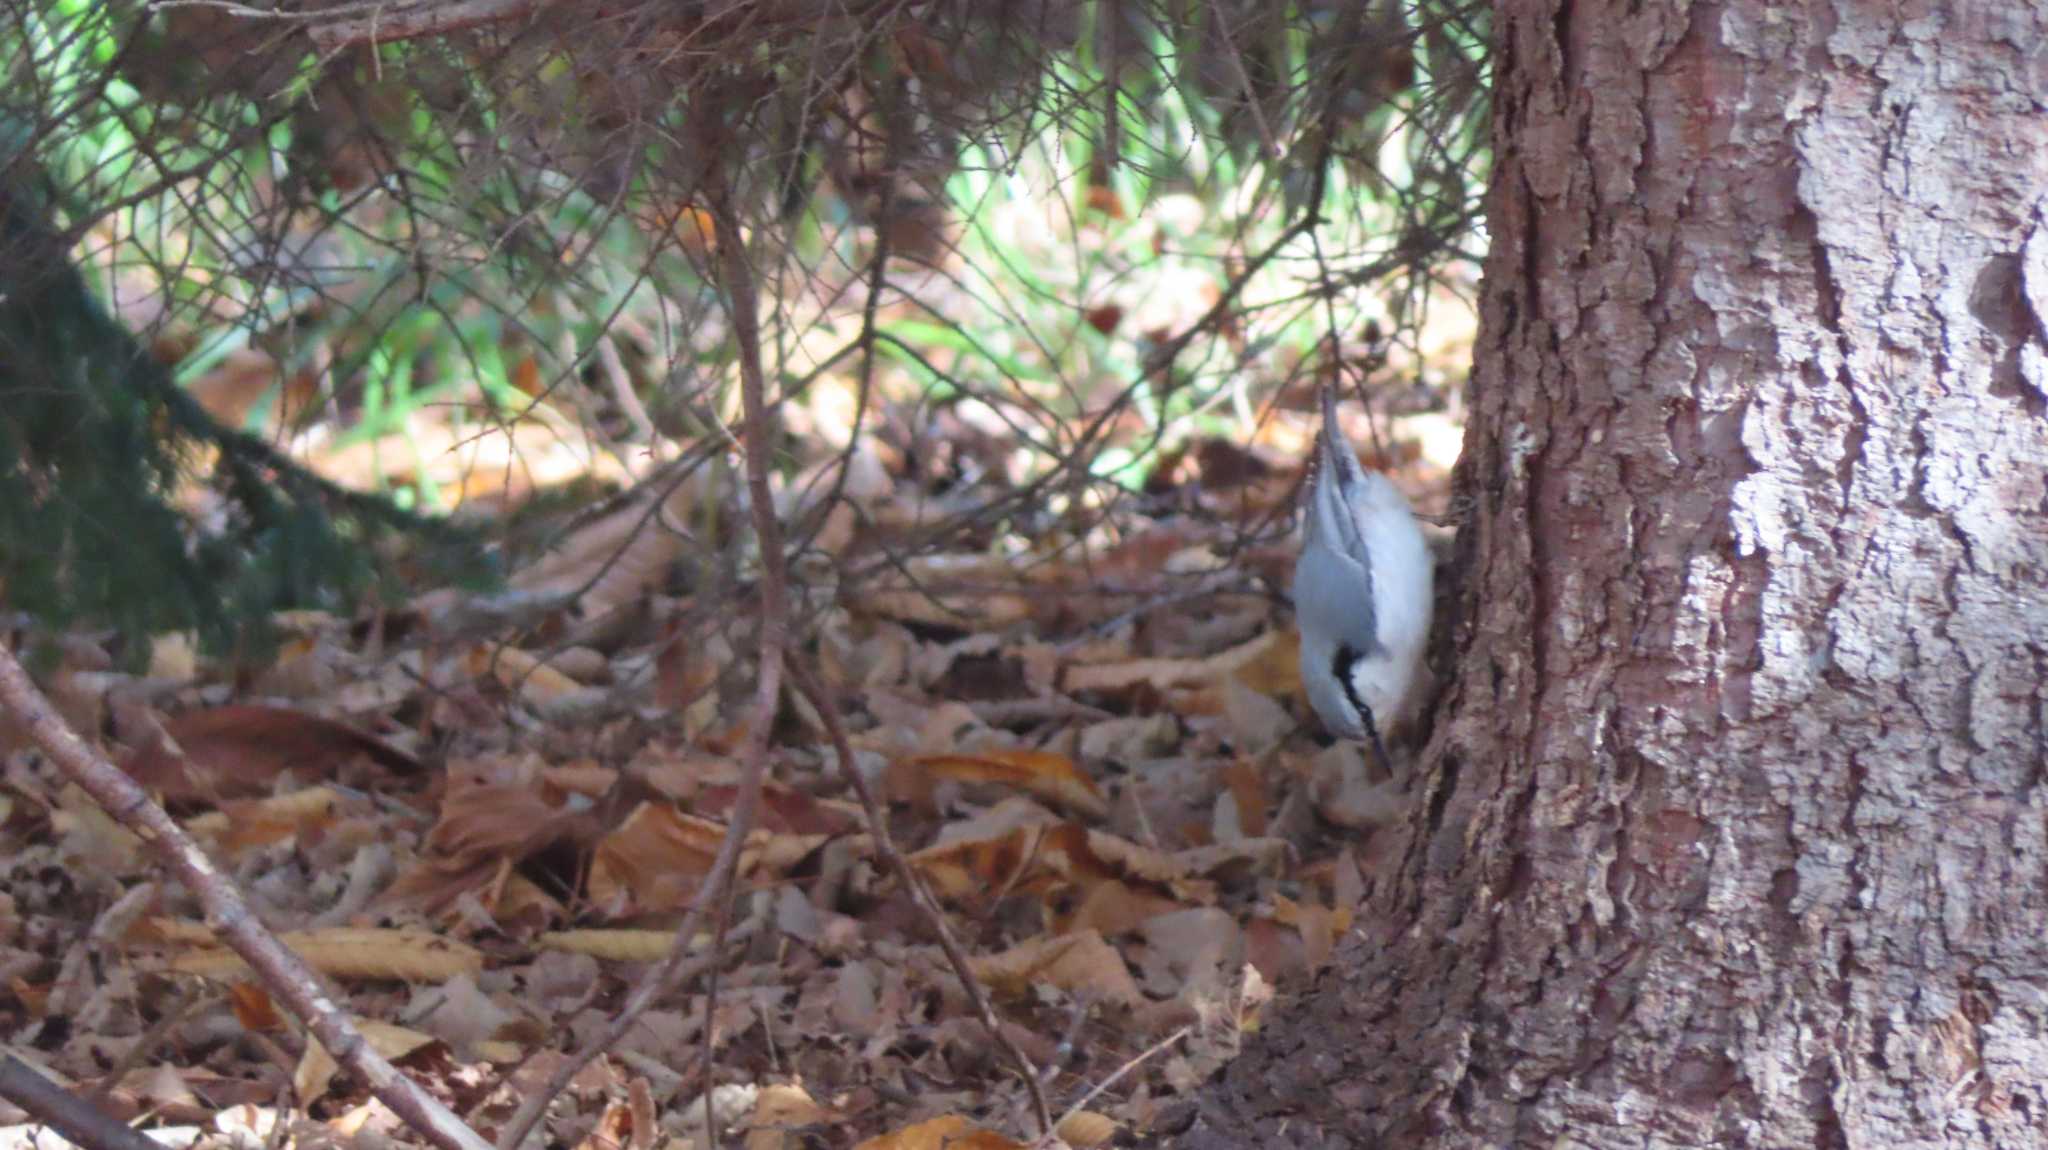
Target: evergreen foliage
(95, 442)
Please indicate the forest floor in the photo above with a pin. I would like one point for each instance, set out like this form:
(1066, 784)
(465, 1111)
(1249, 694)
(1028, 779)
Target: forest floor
(481, 817)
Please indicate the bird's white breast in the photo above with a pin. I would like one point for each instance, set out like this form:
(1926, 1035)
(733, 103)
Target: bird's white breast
(1402, 593)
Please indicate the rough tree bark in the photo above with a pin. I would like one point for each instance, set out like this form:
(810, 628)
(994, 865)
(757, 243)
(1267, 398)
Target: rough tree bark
(1731, 831)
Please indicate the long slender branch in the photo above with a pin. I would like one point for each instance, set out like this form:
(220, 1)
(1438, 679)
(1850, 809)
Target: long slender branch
(77, 1119)
(230, 918)
(878, 282)
(712, 893)
(921, 896)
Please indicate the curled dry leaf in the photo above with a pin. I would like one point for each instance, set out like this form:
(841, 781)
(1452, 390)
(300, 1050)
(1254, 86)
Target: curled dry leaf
(614, 1129)
(1100, 880)
(781, 1114)
(1108, 907)
(539, 683)
(253, 1008)
(173, 932)
(686, 671)
(1241, 807)
(438, 883)
(352, 952)
(240, 750)
(1082, 964)
(618, 945)
(1190, 952)
(1320, 927)
(613, 561)
(656, 858)
(497, 819)
(1085, 1129)
(584, 778)
(317, 1067)
(1051, 776)
(951, 1132)
(1231, 861)
(1010, 860)
(1170, 672)
(1130, 738)
(244, 823)
(967, 592)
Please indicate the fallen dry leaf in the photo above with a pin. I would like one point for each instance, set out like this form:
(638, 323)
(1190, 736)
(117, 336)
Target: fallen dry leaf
(244, 823)
(493, 814)
(1161, 673)
(618, 945)
(967, 592)
(240, 750)
(1085, 1129)
(612, 561)
(1048, 775)
(1190, 952)
(614, 1129)
(951, 1132)
(780, 1118)
(1081, 963)
(253, 1008)
(1109, 907)
(1320, 927)
(317, 1067)
(655, 859)
(352, 952)
(535, 681)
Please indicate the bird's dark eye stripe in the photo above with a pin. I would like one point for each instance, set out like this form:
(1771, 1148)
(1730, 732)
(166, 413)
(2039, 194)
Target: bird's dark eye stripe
(1340, 666)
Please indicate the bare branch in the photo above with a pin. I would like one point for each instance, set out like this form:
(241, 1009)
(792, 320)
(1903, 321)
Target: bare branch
(77, 1119)
(878, 826)
(716, 888)
(282, 972)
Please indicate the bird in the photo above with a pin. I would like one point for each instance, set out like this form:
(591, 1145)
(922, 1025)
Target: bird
(1362, 592)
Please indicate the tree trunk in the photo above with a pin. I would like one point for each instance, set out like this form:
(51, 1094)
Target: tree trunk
(1731, 831)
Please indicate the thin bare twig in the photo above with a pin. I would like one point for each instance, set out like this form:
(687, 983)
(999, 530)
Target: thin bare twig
(1244, 83)
(282, 972)
(714, 890)
(878, 282)
(77, 1119)
(146, 1046)
(807, 685)
(744, 298)
(622, 391)
(1136, 1060)
(416, 20)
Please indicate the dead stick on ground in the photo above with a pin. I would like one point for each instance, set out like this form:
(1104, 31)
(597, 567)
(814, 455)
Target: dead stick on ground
(807, 684)
(711, 894)
(674, 969)
(80, 1121)
(281, 971)
(1099, 1088)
